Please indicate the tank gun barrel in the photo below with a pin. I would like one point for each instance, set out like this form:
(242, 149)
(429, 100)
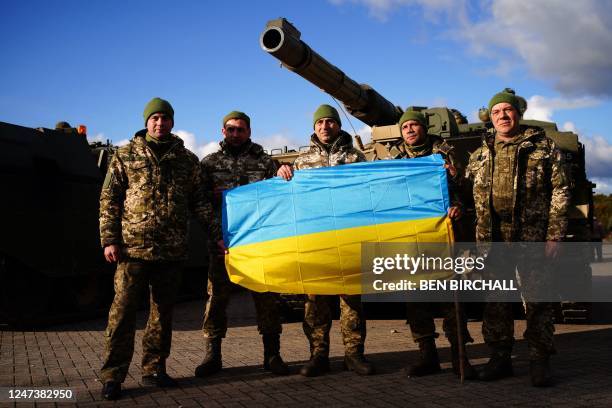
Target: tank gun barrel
(282, 40)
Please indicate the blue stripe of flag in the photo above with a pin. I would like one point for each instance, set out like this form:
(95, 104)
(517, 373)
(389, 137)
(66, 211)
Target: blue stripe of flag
(335, 198)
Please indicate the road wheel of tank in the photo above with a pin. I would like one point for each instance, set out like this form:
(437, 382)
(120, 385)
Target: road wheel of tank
(25, 294)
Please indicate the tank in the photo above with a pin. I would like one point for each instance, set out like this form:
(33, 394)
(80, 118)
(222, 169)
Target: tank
(52, 268)
(283, 41)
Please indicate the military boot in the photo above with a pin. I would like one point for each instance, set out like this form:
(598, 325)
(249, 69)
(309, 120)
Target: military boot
(469, 371)
(498, 366)
(541, 375)
(358, 364)
(212, 360)
(317, 365)
(111, 390)
(161, 379)
(428, 363)
(272, 358)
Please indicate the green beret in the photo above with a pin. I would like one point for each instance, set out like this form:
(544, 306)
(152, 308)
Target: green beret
(156, 105)
(237, 115)
(505, 97)
(326, 111)
(413, 115)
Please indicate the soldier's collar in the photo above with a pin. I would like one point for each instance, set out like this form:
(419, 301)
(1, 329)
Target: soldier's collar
(344, 140)
(419, 148)
(162, 141)
(245, 147)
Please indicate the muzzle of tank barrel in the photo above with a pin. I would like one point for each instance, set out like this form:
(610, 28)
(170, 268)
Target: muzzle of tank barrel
(282, 40)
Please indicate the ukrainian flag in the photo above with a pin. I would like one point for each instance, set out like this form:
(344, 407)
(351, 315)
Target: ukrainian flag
(305, 235)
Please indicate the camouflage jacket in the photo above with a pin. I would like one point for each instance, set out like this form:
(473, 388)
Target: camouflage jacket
(146, 201)
(225, 169)
(541, 194)
(340, 152)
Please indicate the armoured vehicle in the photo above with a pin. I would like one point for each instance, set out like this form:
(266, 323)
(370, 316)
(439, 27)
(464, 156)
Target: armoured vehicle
(51, 264)
(283, 41)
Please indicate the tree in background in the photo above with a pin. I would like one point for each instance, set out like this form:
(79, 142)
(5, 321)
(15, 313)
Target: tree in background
(603, 211)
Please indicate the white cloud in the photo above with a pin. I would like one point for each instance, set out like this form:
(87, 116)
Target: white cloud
(472, 116)
(207, 149)
(566, 42)
(604, 185)
(543, 108)
(366, 134)
(97, 138)
(598, 156)
(280, 141)
(122, 142)
(569, 127)
(192, 144)
(381, 9)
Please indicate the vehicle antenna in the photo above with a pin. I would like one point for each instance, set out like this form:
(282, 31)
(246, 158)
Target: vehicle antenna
(345, 115)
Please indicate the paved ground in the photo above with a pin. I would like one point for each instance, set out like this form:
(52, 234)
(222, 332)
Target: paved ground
(70, 356)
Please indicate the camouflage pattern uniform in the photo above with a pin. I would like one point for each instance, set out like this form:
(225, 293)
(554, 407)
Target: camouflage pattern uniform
(420, 315)
(521, 194)
(317, 313)
(225, 169)
(144, 208)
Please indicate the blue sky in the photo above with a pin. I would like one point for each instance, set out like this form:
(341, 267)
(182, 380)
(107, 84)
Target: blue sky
(98, 62)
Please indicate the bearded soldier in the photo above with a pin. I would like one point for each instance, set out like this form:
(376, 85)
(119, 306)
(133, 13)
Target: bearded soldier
(238, 162)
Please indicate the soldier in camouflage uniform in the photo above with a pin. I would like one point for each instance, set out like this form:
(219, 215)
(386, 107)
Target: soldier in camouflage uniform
(238, 162)
(521, 194)
(331, 146)
(152, 185)
(416, 142)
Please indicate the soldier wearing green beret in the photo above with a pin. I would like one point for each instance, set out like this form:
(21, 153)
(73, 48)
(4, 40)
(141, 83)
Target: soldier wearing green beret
(152, 185)
(331, 146)
(521, 194)
(239, 161)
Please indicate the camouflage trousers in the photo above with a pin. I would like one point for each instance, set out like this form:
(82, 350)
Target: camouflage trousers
(318, 322)
(421, 321)
(534, 275)
(219, 293)
(132, 278)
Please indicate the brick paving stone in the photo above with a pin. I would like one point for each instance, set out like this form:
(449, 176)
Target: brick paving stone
(70, 355)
